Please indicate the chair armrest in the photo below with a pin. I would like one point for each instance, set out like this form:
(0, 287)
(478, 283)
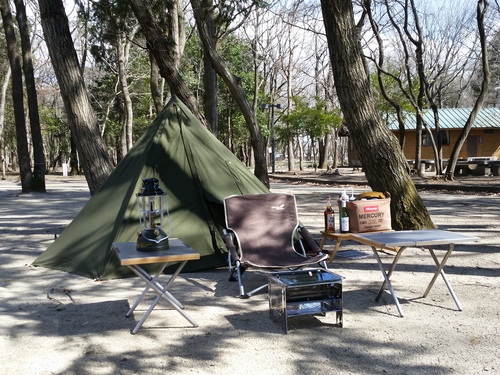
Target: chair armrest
(228, 239)
(308, 238)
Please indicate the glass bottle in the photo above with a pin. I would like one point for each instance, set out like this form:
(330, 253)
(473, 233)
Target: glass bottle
(329, 217)
(344, 218)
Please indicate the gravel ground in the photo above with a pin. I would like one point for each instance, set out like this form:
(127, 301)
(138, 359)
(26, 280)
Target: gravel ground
(58, 323)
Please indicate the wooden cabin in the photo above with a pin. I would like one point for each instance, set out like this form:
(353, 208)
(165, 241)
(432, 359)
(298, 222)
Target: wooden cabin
(483, 140)
(479, 155)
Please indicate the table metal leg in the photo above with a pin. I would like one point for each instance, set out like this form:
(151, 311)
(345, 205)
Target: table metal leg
(389, 273)
(171, 299)
(161, 291)
(440, 271)
(146, 275)
(386, 278)
(152, 279)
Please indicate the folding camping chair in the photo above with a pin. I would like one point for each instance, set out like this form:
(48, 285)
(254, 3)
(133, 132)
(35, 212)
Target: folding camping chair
(266, 233)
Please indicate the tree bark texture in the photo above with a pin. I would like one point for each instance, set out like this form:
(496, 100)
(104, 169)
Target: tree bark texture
(201, 12)
(381, 156)
(39, 167)
(82, 120)
(210, 83)
(17, 97)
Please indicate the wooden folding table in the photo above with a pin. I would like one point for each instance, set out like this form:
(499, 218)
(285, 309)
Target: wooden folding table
(338, 238)
(133, 259)
(335, 236)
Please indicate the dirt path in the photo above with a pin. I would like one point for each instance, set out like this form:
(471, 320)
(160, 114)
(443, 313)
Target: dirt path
(44, 331)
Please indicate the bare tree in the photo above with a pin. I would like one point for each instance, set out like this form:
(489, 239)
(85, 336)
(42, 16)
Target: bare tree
(382, 158)
(123, 40)
(202, 12)
(380, 64)
(82, 120)
(166, 46)
(481, 9)
(432, 59)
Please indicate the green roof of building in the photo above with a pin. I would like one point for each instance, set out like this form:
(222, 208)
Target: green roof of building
(454, 118)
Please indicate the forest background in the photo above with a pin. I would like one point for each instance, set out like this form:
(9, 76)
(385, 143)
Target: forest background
(418, 55)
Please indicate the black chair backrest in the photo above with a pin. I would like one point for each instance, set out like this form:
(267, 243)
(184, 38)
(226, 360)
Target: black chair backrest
(264, 225)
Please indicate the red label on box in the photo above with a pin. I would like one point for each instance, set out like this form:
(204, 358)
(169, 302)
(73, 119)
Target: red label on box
(370, 208)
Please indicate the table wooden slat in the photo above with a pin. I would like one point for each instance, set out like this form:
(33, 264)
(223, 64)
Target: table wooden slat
(178, 251)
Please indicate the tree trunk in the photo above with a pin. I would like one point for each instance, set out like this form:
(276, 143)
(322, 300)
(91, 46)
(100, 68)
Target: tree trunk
(481, 9)
(301, 154)
(201, 13)
(166, 51)
(17, 97)
(3, 100)
(381, 156)
(39, 168)
(290, 156)
(122, 55)
(210, 95)
(380, 66)
(210, 82)
(323, 146)
(82, 120)
(154, 79)
(121, 145)
(73, 158)
(335, 140)
(289, 91)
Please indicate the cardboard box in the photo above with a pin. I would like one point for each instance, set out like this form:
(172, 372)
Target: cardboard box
(369, 215)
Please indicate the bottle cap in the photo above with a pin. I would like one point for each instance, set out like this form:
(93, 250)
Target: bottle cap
(344, 196)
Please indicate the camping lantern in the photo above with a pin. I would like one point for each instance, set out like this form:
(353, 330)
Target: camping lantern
(151, 204)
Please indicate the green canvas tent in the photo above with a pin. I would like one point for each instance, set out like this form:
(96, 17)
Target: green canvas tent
(195, 170)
